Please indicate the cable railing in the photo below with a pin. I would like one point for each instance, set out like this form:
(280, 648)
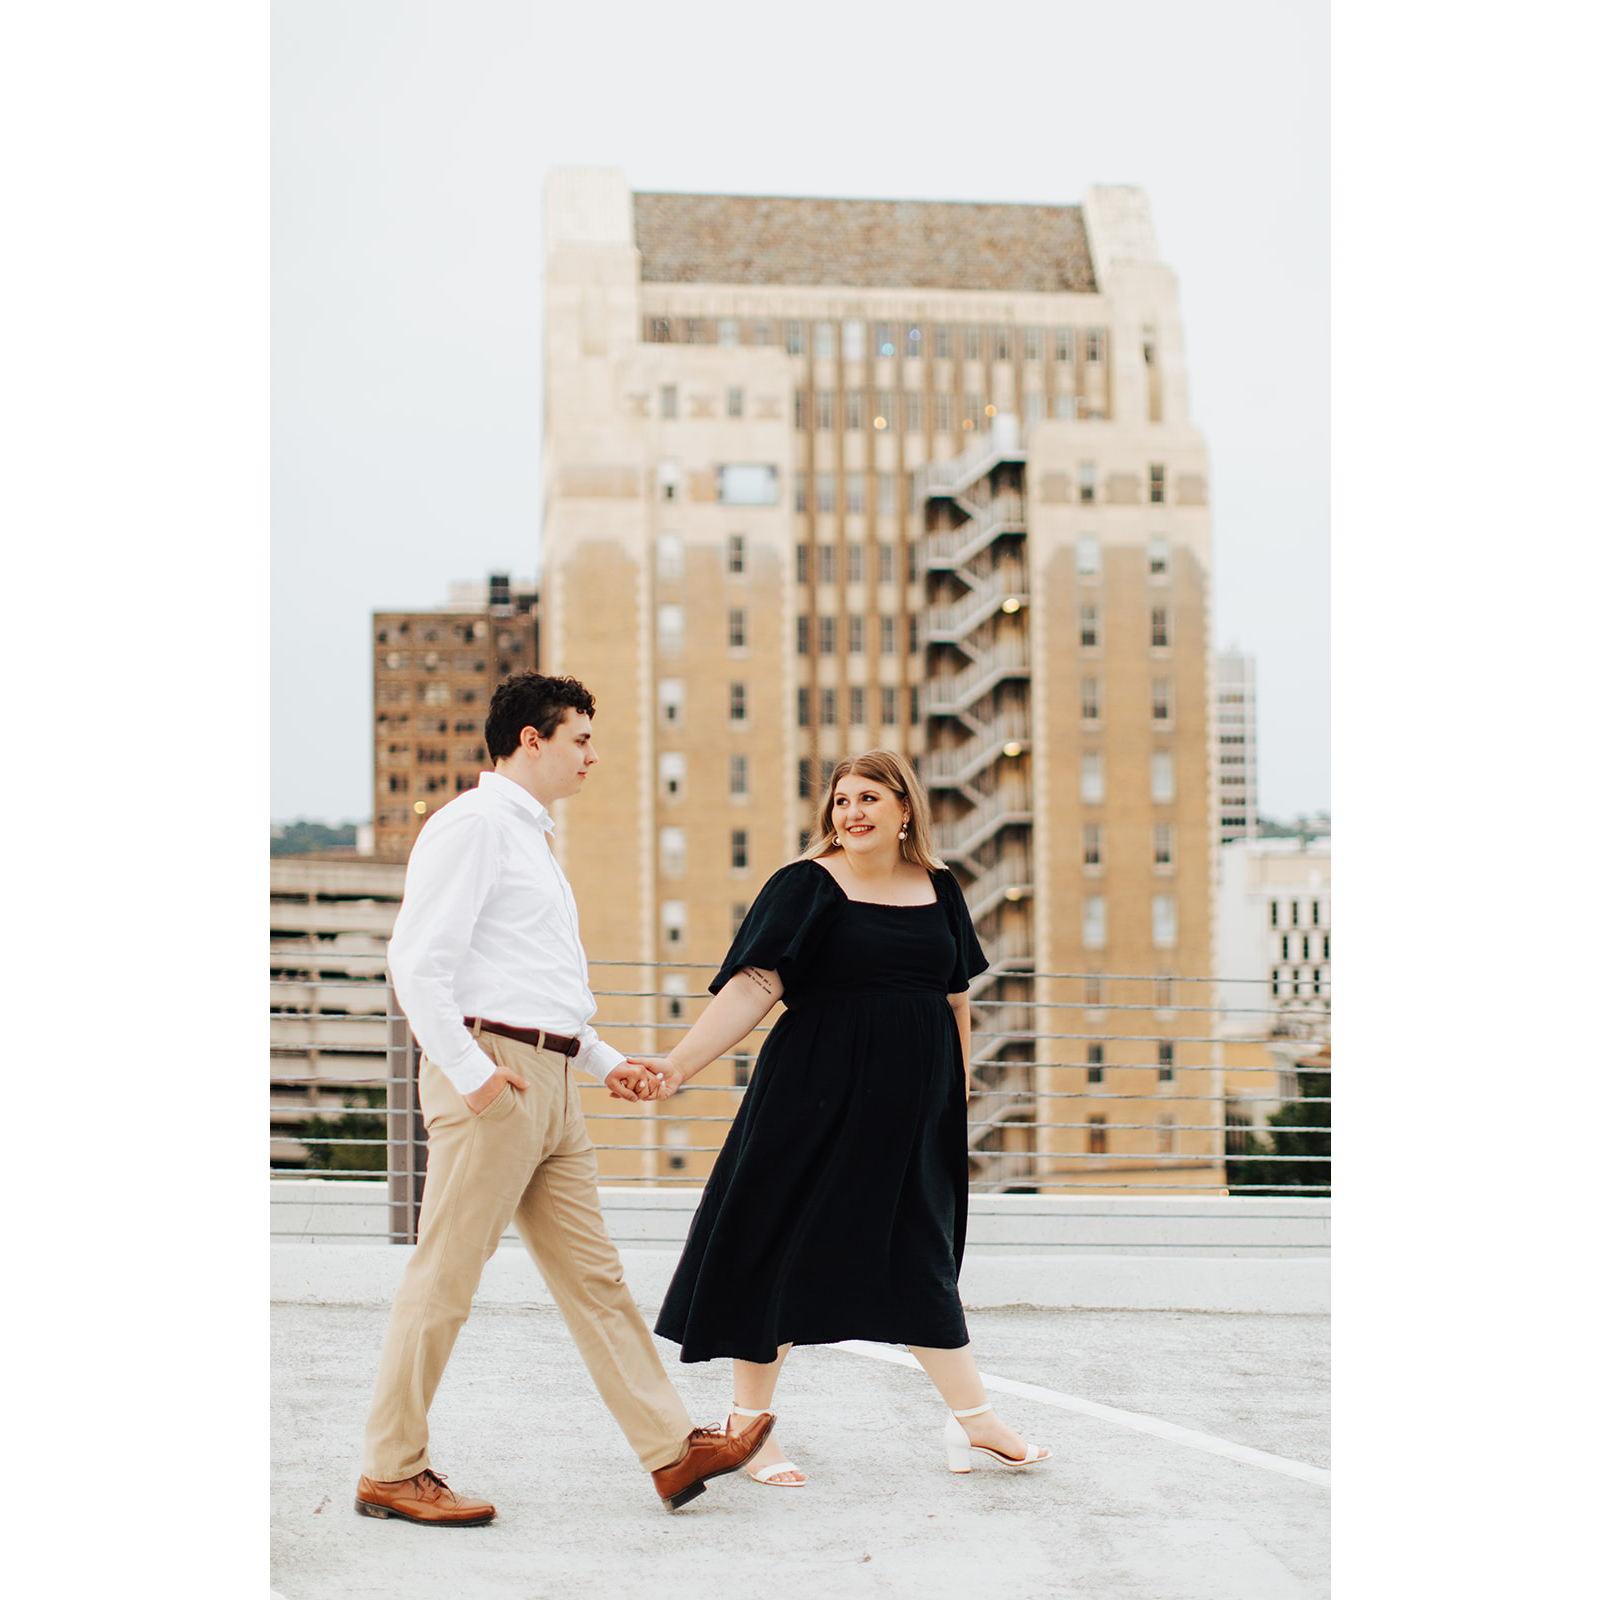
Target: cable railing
(1120, 1087)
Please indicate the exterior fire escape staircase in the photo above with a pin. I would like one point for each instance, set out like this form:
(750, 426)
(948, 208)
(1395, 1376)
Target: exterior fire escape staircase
(977, 769)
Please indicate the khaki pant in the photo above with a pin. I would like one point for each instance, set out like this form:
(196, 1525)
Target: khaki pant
(527, 1157)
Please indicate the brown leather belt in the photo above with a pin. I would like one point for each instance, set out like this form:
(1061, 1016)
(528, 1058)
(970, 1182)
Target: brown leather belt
(537, 1037)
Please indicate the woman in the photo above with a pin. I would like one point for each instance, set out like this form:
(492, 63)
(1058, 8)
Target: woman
(837, 1208)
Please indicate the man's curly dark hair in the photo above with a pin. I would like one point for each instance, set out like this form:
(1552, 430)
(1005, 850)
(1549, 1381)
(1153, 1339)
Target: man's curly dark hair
(530, 700)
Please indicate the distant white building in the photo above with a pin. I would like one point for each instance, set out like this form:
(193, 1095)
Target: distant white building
(1275, 925)
(1233, 755)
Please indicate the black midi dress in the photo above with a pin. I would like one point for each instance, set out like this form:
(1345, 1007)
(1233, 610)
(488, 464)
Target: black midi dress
(837, 1208)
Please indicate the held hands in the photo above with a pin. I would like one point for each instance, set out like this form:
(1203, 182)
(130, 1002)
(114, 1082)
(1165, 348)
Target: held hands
(633, 1080)
(660, 1079)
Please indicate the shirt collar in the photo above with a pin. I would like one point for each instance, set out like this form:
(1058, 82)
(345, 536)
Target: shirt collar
(498, 783)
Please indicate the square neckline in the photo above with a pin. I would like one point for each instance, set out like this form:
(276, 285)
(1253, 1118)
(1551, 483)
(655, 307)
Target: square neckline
(886, 905)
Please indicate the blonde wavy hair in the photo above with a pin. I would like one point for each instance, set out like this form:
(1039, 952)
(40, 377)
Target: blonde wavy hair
(893, 772)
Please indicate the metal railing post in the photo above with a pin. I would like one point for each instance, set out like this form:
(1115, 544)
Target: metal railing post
(402, 1124)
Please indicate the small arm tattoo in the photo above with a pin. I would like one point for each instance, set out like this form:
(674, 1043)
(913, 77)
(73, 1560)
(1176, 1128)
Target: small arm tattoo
(759, 977)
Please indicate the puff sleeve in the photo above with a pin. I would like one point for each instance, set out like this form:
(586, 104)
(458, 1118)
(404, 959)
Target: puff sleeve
(970, 959)
(780, 930)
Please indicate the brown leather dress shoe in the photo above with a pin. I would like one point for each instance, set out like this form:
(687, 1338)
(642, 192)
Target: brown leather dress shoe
(425, 1498)
(708, 1453)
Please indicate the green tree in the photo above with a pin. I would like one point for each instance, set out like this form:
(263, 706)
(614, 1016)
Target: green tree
(1294, 1133)
(352, 1125)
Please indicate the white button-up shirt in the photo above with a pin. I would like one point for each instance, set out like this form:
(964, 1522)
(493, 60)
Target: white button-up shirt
(488, 928)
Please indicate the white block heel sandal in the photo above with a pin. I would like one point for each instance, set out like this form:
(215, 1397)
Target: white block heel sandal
(770, 1473)
(959, 1449)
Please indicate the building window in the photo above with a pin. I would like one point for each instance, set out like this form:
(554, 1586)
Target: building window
(914, 716)
(1163, 921)
(827, 562)
(1166, 1139)
(1065, 406)
(669, 557)
(736, 628)
(738, 776)
(1094, 344)
(913, 347)
(825, 635)
(676, 987)
(885, 553)
(670, 693)
(803, 778)
(1089, 625)
(852, 410)
(883, 413)
(1086, 482)
(855, 558)
(1164, 1054)
(1091, 844)
(1095, 1058)
(858, 633)
(972, 405)
(1316, 913)
(1161, 784)
(855, 340)
(761, 333)
(913, 411)
(1097, 1136)
(670, 770)
(669, 630)
(1032, 343)
(1163, 844)
(799, 494)
(1158, 484)
(830, 708)
(1002, 344)
(858, 707)
(658, 330)
(911, 637)
(673, 921)
(1162, 993)
(739, 849)
(941, 341)
(736, 702)
(674, 852)
(736, 554)
(1160, 635)
(727, 330)
(1094, 922)
(1274, 913)
(735, 402)
(1305, 947)
(886, 636)
(825, 491)
(887, 707)
(669, 402)
(1091, 778)
(1159, 554)
(972, 342)
(1161, 699)
(883, 338)
(822, 340)
(802, 636)
(1294, 913)
(1089, 699)
(802, 410)
(802, 706)
(1088, 556)
(943, 413)
(1283, 947)
(747, 484)
(822, 406)
(802, 563)
(794, 338)
(1063, 344)
(741, 1061)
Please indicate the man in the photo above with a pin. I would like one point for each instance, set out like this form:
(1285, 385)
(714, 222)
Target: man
(491, 975)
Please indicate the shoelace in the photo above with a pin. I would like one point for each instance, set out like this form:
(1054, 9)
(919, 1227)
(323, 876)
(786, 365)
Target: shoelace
(432, 1484)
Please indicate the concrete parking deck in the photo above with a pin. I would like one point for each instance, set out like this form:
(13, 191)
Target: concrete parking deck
(1191, 1458)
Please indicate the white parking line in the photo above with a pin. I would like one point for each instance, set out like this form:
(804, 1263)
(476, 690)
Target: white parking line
(1125, 1419)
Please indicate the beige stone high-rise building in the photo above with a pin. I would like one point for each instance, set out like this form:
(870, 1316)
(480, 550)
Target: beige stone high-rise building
(433, 673)
(821, 475)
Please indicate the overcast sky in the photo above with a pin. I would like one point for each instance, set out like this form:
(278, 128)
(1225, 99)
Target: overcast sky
(409, 147)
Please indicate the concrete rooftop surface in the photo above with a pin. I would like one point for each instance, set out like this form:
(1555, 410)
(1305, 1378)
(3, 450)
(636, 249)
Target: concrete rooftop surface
(1191, 1456)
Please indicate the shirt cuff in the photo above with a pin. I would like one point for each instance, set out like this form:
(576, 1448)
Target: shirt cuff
(598, 1059)
(471, 1072)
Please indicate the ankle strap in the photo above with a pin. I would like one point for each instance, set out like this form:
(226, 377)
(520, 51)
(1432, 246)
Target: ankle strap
(740, 1411)
(973, 1411)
